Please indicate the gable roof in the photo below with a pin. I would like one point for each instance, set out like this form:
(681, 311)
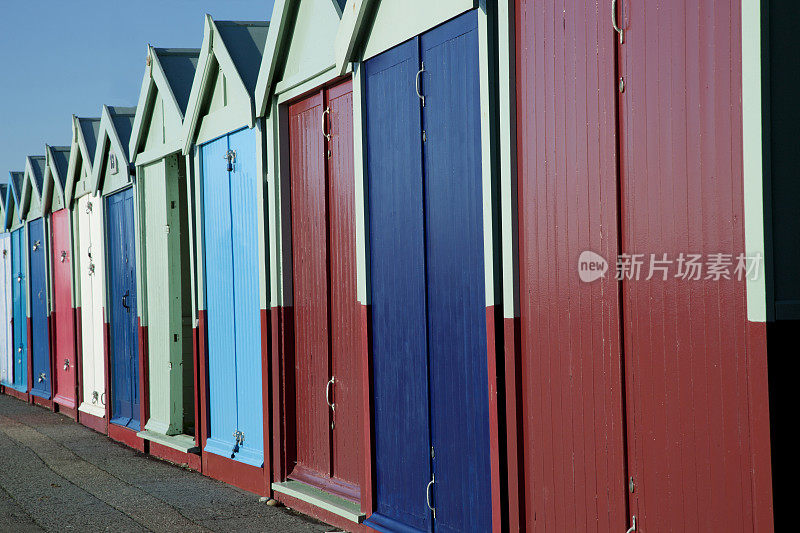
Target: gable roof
(32, 182)
(55, 173)
(84, 143)
(284, 17)
(10, 197)
(237, 48)
(355, 20)
(169, 72)
(116, 126)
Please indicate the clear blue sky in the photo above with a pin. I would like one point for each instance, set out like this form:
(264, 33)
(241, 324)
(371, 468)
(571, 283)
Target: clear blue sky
(61, 57)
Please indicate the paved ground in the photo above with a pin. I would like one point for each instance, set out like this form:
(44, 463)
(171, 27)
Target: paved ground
(56, 475)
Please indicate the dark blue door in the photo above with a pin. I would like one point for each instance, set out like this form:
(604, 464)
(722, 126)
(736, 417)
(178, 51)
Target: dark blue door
(19, 311)
(230, 217)
(124, 339)
(431, 415)
(40, 334)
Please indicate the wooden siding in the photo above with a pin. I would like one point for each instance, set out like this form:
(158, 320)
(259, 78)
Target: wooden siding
(65, 361)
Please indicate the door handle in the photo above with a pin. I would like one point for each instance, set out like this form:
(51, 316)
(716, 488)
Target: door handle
(125, 301)
(428, 495)
(66, 364)
(633, 525)
(614, 22)
(326, 135)
(417, 82)
(328, 394)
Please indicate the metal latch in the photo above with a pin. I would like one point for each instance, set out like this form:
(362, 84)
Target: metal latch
(66, 364)
(230, 156)
(63, 255)
(428, 495)
(42, 377)
(238, 439)
(36, 245)
(633, 525)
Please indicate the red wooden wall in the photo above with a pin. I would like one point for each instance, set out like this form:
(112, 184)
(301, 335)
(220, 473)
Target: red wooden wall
(63, 319)
(661, 382)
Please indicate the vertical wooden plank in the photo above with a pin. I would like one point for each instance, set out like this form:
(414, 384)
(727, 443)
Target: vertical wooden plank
(456, 299)
(690, 352)
(310, 283)
(65, 360)
(6, 313)
(344, 316)
(244, 183)
(571, 434)
(397, 288)
(218, 298)
(40, 332)
(19, 274)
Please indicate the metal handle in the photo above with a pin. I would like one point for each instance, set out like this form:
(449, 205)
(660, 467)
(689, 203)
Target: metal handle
(63, 255)
(66, 364)
(42, 377)
(103, 398)
(326, 112)
(633, 525)
(328, 394)
(36, 245)
(428, 495)
(614, 22)
(125, 301)
(419, 93)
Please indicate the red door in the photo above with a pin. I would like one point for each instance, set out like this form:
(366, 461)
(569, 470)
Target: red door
(687, 347)
(571, 398)
(325, 313)
(637, 397)
(64, 347)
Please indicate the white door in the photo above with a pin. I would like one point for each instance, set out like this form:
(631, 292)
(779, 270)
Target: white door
(6, 354)
(90, 263)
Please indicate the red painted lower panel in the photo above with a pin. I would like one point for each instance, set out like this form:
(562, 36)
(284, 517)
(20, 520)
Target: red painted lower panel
(266, 393)
(246, 477)
(67, 411)
(126, 436)
(321, 514)
(41, 402)
(94, 422)
(190, 460)
(365, 368)
(513, 398)
(16, 394)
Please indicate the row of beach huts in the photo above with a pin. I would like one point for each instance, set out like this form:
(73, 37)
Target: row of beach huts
(338, 259)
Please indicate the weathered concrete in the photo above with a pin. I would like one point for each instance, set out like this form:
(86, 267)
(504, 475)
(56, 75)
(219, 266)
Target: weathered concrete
(57, 475)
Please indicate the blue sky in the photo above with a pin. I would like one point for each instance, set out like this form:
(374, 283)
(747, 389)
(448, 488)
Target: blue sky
(62, 57)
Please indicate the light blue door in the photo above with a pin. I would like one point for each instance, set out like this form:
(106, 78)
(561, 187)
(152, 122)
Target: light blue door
(20, 328)
(232, 287)
(40, 331)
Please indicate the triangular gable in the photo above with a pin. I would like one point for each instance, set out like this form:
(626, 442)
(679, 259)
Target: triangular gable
(299, 44)
(81, 154)
(167, 85)
(55, 175)
(14, 183)
(233, 49)
(30, 202)
(372, 26)
(116, 126)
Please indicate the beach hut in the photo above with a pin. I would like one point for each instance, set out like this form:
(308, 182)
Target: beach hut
(165, 279)
(18, 367)
(88, 274)
(637, 395)
(429, 254)
(221, 133)
(38, 286)
(65, 364)
(6, 351)
(319, 428)
(112, 179)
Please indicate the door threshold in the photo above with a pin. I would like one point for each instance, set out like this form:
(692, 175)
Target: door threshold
(324, 500)
(182, 443)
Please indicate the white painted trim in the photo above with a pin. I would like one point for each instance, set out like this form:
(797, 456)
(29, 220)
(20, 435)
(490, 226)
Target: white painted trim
(301, 80)
(353, 21)
(151, 156)
(108, 131)
(752, 150)
(279, 23)
(360, 176)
